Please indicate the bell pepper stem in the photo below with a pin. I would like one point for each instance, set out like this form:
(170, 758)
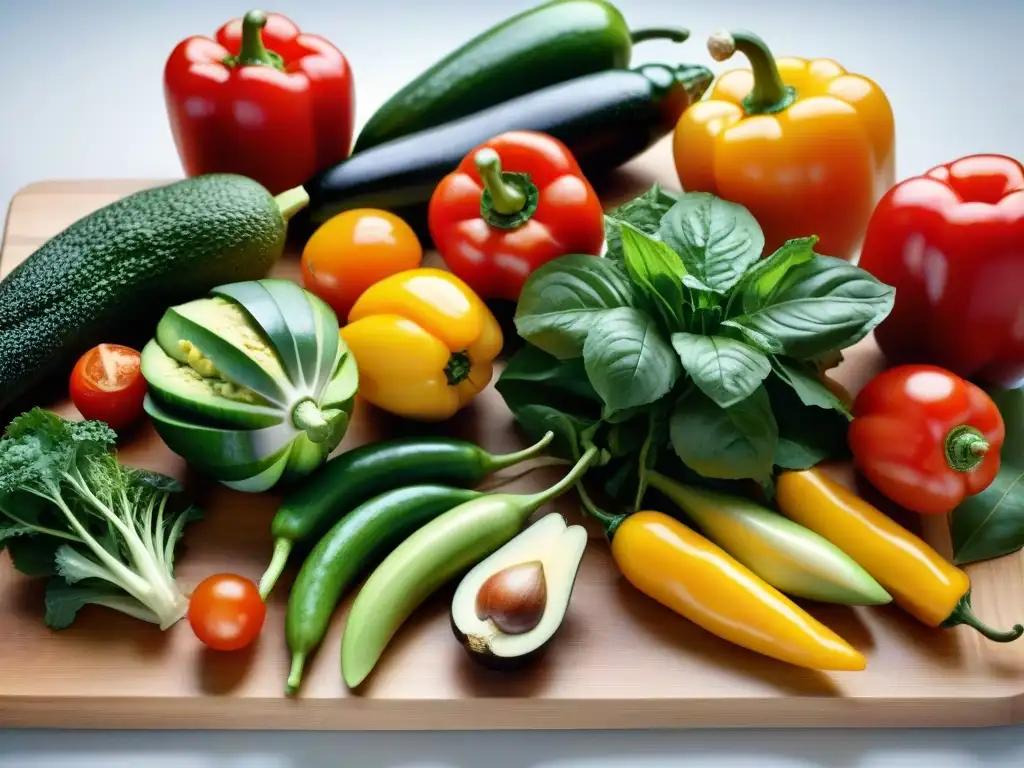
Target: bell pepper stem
(769, 93)
(291, 201)
(282, 549)
(964, 614)
(253, 53)
(966, 448)
(458, 368)
(506, 199)
(675, 34)
(511, 459)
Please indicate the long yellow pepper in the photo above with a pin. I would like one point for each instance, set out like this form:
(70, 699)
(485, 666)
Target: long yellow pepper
(687, 573)
(920, 580)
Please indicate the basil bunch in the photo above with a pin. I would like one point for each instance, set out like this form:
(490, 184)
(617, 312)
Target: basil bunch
(682, 336)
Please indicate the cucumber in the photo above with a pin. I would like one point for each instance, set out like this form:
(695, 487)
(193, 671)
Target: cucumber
(605, 119)
(108, 276)
(549, 44)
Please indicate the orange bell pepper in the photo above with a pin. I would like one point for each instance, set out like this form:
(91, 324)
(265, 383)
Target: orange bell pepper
(805, 146)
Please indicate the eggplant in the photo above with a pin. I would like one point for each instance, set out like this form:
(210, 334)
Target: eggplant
(605, 119)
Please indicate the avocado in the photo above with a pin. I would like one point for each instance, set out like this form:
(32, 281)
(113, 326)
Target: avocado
(109, 276)
(510, 605)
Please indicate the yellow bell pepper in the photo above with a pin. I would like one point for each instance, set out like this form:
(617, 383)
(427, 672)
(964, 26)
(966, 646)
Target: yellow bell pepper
(424, 343)
(685, 572)
(921, 581)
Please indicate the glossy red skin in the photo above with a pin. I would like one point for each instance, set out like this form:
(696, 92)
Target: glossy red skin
(117, 401)
(898, 434)
(952, 244)
(226, 612)
(568, 219)
(277, 127)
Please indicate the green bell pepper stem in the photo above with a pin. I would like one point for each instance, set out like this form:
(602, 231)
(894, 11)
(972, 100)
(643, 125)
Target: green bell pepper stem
(965, 448)
(769, 93)
(506, 199)
(253, 52)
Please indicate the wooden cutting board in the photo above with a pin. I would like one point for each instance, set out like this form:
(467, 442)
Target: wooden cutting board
(620, 660)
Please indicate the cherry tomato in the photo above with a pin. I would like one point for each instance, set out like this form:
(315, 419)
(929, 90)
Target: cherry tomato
(226, 612)
(352, 251)
(107, 385)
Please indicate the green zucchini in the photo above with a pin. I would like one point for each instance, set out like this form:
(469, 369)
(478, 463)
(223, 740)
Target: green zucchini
(109, 276)
(554, 42)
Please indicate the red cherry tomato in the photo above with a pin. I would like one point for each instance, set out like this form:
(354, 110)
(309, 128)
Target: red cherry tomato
(107, 385)
(226, 612)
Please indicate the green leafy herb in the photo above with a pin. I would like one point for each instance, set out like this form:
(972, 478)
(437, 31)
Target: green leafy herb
(104, 531)
(727, 443)
(683, 348)
(724, 369)
(627, 361)
(644, 213)
(717, 240)
(658, 272)
(819, 305)
(564, 300)
(991, 523)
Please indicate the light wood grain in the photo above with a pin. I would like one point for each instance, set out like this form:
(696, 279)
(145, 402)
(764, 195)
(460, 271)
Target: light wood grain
(620, 660)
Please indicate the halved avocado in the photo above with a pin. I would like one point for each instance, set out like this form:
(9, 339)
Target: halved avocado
(225, 454)
(510, 605)
(177, 386)
(222, 333)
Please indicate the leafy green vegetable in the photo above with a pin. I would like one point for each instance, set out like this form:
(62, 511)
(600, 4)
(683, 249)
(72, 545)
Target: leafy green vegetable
(68, 509)
(724, 369)
(626, 360)
(991, 523)
(683, 348)
(727, 443)
(564, 298)
(644, 213)
(819, 305)
(717, 240)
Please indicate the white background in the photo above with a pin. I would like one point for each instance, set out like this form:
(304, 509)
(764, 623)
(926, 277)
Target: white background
(80, 97)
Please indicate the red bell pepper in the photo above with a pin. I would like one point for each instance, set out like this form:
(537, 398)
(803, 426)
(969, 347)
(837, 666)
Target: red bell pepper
(952, 244)
(514, 203)
(263, 100)
(925, 437)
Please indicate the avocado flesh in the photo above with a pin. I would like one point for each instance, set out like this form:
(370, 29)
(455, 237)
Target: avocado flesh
(181, 389)
(559, 549)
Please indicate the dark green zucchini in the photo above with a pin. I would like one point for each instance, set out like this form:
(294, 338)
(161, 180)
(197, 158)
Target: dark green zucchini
(605, 119)
(552, 43)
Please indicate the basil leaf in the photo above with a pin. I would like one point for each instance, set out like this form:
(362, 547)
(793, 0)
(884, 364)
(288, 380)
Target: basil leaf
(656, 270)
(717, 240)
(536, 420)
(991, 523)
(644, 213)
(760, 282)
(808, 387)
(562, 300)
(532, 367)
(726, 443)
(820, 305)
(755, 338)
(626, 360)
(804, 439)
(724, 369)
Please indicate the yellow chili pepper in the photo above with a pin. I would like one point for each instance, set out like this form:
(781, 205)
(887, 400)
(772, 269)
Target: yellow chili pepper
(424, 343)
(920, 580)
(688, 574)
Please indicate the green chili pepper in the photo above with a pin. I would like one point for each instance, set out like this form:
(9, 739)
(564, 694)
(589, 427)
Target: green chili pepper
(433, 555)
(788, 556)
(360, 474)
(356, 543)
